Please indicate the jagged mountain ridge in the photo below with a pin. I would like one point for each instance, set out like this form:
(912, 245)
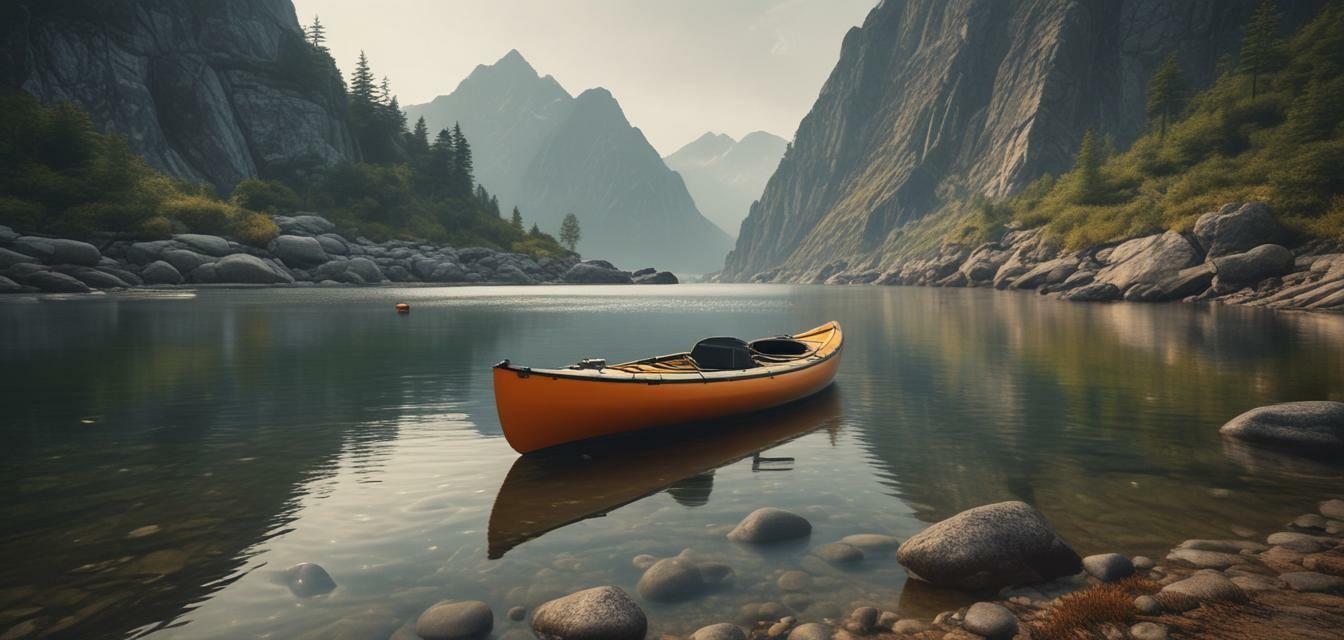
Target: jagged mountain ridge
(551, 154)
(215, 92)
(725, 175)
(932, 101)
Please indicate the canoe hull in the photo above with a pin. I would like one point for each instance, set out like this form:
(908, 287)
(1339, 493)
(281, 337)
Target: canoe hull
(539, 410)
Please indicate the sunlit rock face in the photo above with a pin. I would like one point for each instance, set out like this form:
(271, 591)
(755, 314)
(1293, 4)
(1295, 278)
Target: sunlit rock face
(933, 100)
(217, 92)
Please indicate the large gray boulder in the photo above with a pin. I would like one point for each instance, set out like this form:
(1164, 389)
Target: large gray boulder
(334, 244)
(1186, 282)
(769, 524)
(1250, 267)
(147, 252)
(600, 613)
(1148, 260)
(93, 277)
(659, 277)
(306, 224)
(1094, 292)
(9, 286)
(242, 268)
(1312, 425)
(8, 258)
(52, 282)
(596, 272)
(365, 269)
(74, 252)
(299, 251)
(671, 580)
(7, 234)
(448, 620)
(511, 274)
(1238, 227)
(160, 272)
(1048, 273)
(989, 546)
(183, 260)
(209, 245)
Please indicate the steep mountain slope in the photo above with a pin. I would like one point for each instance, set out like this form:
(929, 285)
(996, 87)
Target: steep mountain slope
(207, 91)
(506, 110)
(933, 101)
(725, 176)
(551, 154)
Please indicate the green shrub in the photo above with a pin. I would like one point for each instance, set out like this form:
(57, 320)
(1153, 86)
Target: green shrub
(201, 214)
(156, 228)
(267, 196)
(256, 229)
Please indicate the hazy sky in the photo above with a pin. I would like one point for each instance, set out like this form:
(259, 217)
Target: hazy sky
(678, 67)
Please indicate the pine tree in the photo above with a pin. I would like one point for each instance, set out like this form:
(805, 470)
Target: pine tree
(463, 168)
(361, 83)
(417, 141)
(396, 116)
(317, 34)
(494, 205)
(1166, 92)
(1087, 168)
(517, 221)
(1261, 47)
(569, 231)
(384, 94)
(441, 161)
(535, 231)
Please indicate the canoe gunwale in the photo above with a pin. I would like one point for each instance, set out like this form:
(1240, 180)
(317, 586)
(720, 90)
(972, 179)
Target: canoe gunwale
(699, 377)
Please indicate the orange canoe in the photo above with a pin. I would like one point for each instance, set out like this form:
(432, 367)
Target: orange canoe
(540, 408)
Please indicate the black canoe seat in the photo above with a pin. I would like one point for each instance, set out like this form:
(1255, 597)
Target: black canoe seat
(721, 354)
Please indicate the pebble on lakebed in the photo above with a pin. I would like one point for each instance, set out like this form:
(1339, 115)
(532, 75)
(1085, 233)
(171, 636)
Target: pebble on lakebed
(600, 613)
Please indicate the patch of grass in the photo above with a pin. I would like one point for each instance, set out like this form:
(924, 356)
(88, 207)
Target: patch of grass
(1082, 613)
(1283, 145)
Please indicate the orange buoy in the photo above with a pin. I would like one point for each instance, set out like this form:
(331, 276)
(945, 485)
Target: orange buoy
(402, 307)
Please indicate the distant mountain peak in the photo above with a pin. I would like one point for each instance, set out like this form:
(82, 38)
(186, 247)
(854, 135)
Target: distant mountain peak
(513, 59)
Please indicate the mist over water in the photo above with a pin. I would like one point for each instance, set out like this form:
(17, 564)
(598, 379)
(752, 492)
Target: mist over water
(166, 454)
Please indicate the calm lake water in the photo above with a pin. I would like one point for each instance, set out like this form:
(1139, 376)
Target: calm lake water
(165, 455)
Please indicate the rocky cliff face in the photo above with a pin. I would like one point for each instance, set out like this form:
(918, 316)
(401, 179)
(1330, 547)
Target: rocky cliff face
(725, 175)
(208, 91)
(933, 100)
(550, 154)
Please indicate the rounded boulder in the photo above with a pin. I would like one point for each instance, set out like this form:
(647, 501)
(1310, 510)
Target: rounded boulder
(769, 524)
(600, 613)
(448, 620)
(1312, 425)
(993, 545)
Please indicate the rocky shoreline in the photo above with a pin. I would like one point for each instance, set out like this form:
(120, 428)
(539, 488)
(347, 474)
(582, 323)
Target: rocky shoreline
(1030, 584)
(308, 252)
(1234, 255)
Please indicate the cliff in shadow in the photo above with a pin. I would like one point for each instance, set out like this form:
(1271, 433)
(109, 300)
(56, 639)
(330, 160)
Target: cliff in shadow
(214, 92)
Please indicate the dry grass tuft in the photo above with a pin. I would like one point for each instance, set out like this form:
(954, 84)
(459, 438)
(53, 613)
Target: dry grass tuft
(1082, 613)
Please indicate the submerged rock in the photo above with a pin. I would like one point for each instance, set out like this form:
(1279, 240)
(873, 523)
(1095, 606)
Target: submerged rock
(721, 631)
(811, 631)
(1312, 425)
(600, 613)
(671, 580)
(871, 541)
(769, 524)
(448, 620)
(989, 546)
(306, 580)
(839, 553)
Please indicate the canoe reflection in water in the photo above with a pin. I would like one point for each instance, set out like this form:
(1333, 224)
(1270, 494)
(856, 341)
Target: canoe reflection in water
(550, 489)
